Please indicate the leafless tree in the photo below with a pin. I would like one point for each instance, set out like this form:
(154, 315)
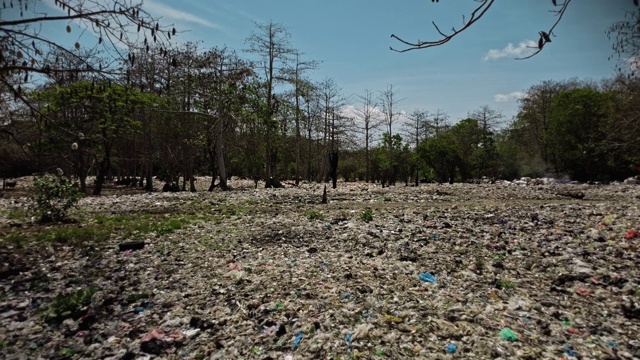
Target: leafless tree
(272, 42)
(626, 45)
(368, 120)
(389, 102)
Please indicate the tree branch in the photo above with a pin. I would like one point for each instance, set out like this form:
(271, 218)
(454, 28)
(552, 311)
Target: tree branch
(545, 37)
(476, 15)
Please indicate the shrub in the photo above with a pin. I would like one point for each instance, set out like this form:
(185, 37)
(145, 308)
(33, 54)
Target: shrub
(367, 215)
(54, 197)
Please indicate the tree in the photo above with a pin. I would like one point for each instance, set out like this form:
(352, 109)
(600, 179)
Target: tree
(439, 154)
(302, 89)
(415, 129)
(626, 44)
(576, 132)
(481, 9)
(117, 25)
(389, 100)
(369, 120)
(272, 42)
(532, 123)
(105, 112)
(489, 120)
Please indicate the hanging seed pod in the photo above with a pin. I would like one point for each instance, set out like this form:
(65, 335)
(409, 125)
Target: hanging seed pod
(68, 28)
(77, 46)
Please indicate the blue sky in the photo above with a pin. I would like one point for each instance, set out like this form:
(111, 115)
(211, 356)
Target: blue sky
(351, 39)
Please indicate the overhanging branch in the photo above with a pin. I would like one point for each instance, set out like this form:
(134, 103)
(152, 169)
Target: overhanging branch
(476, 15)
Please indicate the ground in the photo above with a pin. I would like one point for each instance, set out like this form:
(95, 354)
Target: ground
(274, 274)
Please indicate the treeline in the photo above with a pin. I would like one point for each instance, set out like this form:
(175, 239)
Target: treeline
(181, 112)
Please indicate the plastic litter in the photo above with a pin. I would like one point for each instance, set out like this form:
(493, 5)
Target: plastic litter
(297, 340)
(428, 277)
(347, 338)
(392, 318)
(451, 348)
(508, 334)
(571, 352)
(632, 234)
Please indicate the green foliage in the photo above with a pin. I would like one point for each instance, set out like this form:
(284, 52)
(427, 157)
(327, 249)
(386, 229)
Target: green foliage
(505, 284)
(313, 215)
(54, 197)
(69, 305)
(367, 215)
(576, 132)
(439, 154)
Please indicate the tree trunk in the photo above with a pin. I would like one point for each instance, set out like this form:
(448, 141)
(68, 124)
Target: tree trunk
(220, 154)
(333, 164)
(103, 168)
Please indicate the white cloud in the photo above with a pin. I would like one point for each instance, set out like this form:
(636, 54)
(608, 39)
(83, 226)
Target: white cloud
(517, 95)
(524, 48)
(157, 9)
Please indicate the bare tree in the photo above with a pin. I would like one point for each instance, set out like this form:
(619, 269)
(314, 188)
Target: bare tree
(389, 101)
(301, 88)
(415, 129)
(439, 123)
(369, 120)
(626, 43)
(272, 42)
(489, 119)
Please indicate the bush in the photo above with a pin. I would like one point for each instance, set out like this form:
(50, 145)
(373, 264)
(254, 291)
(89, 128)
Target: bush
(54, 197)
(367, 215)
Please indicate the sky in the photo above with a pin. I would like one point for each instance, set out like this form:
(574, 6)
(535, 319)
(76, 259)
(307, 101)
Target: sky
(351, 40)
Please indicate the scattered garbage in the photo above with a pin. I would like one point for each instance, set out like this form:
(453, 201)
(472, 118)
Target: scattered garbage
(247, 276)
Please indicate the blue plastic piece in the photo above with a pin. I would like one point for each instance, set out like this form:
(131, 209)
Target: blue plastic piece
(347, 338)
(427, 277)
(451, 348)
(297, 340)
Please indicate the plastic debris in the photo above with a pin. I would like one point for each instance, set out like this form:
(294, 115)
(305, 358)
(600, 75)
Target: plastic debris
(347, 338)
(297, 340)
(451, 348)
(632, 234)
(508, 334)
(392, 318)
(428, 277)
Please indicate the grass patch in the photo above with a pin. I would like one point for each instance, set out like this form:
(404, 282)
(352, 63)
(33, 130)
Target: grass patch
(313, 215)
(505, 284)
(98, 229)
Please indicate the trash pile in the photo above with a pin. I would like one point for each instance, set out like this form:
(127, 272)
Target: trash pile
(437, 271)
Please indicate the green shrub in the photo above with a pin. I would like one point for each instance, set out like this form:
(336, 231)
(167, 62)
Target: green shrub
(54, 197)
(70, 305)
(367, 215)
